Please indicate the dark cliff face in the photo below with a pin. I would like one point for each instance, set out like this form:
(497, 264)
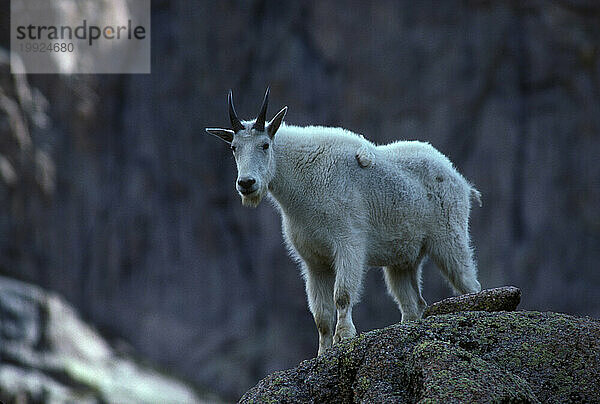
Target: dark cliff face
(122, 203)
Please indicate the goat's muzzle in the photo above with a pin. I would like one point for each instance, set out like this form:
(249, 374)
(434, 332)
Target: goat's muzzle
(246, 185)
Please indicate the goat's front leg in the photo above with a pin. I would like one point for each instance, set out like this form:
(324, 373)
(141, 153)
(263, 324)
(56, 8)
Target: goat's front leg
(349, 269)
(319, 290)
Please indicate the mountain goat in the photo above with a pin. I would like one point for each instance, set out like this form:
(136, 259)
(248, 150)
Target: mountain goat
(347, 204)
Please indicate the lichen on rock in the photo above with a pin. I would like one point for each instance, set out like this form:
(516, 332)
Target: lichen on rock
(468, 356)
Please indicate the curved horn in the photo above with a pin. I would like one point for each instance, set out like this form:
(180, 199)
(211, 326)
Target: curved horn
(262, 116)
(236, 124)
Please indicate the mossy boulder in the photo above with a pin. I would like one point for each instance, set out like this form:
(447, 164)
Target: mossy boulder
(474, 356)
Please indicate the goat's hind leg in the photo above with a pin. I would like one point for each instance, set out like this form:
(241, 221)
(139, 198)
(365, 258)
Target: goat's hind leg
(319, 290)
(404, 285)
(454, 256)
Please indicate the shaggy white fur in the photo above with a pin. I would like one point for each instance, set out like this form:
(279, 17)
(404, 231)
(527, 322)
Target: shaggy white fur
(347, 204)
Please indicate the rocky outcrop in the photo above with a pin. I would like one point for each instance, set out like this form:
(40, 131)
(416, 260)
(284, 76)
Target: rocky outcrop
(506, 298)
(48, 354)
(466, 356)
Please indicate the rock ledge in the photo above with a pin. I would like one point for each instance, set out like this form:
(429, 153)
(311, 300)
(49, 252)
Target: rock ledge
(470, 356)
(505, 298)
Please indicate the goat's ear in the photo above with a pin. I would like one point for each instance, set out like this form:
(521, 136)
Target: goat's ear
(223, 134)
(274, 124)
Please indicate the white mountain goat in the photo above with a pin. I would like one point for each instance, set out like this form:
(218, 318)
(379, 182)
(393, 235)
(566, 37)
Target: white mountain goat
(347, 204)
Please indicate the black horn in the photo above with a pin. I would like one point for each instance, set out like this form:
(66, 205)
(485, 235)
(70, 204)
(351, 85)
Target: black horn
(236, 124)
(262, 116)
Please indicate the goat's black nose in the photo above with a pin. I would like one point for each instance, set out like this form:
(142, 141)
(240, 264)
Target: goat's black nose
(246, 182)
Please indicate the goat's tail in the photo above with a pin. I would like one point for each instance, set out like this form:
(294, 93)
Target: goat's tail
(475, 194)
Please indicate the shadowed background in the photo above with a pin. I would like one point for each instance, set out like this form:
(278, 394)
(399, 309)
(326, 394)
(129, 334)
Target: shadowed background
(112, 194)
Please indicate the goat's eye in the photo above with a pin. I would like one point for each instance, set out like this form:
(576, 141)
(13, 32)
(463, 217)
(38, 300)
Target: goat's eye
(232, 148)
(265, 146)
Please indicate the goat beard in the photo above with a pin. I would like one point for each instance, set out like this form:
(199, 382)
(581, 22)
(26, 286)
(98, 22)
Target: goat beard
(254, 199)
